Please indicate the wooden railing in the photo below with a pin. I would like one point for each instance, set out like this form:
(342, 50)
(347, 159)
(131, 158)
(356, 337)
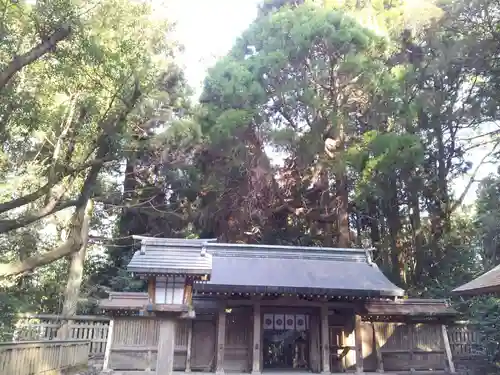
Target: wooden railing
(42, 357)
(82, 327)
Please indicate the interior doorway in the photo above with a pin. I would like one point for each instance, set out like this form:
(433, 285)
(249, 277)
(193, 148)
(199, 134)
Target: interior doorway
(285, 342)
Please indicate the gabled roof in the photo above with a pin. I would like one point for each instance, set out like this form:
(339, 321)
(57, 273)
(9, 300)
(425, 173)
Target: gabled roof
(171, 256)
(486, 283)
(290, 269)
(264, 268)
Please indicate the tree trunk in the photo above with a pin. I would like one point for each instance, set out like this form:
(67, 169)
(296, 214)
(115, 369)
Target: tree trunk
(374, 222)
(343, 236)
(394, 227)
(75, 275)
(416, 228)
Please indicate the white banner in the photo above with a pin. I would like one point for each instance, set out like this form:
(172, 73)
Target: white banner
(279, 321)
(300, 322)
(289, 321)
(268, 321)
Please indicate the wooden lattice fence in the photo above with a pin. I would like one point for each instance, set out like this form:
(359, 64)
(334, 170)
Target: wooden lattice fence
(42, 357)
(45, 327)
(465, 340)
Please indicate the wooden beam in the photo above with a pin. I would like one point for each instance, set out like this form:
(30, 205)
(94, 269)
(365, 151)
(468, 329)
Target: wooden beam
(447, 348)
(109, 343)
(358, 342)
(378, 350)
(221, 340)
(325, 340)
(295, 302)
(189, 344)
(257, 327)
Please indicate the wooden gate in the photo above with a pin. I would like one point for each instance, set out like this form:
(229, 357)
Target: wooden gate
(203, 346)
(237, 354)
(338, 350)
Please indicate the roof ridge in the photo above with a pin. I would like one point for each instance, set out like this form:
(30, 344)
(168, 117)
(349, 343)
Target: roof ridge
(308, 249)
(288, 255)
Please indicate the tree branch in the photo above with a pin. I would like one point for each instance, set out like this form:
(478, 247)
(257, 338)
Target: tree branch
(76, 239)
(472, 178)
(42, 191)
(34, 54)
(55, 205)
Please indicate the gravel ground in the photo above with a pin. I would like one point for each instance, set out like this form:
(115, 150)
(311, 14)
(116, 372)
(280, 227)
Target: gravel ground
(94, 368)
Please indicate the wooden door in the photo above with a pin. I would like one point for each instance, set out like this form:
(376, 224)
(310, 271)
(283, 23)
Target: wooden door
(203, 345)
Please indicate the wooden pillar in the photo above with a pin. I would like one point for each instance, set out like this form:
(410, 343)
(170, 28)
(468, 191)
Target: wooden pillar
(189, 344)
(152, 289)
(343, 360)
(447, 349)
(378, 349)
(150, 343)
(315, 341)
(187, 298)
(257, 327)
(358, 342)
(166, 344)
(109, 343)
(221, 340)
(411, 342)
(325, 340)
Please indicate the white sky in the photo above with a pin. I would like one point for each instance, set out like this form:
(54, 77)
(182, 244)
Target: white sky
(208, 29)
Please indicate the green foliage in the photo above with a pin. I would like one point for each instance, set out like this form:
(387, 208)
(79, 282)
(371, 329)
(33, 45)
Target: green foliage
(484, 315)
(488, 219)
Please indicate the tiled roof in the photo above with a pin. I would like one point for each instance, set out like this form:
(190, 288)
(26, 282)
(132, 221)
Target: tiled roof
(265, 268)
(289, 269)
(171, 256)
(120, 300)
(486, 283)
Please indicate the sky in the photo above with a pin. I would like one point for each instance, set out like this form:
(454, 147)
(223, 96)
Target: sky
(208, 29)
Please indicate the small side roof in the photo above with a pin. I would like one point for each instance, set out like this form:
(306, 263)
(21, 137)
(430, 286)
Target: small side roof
(486, 283)
(411, 308)
(171, 256)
